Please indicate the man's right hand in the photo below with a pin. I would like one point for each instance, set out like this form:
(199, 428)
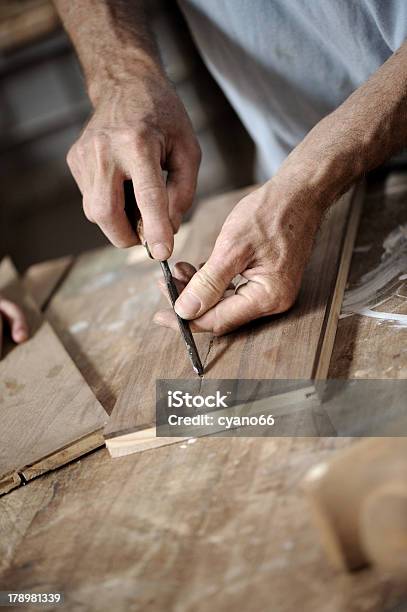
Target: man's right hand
(139, 128)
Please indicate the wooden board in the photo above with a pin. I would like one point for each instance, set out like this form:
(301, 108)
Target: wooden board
(219, 524)
(43, 279)
(386, 356)
(296, 345)
(45, 405)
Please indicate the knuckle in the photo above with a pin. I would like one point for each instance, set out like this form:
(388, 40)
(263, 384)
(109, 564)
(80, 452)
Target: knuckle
(222, 326)
(151, 198)
(233, 252)
(101, 211)
(141, 136)
(276, 297)
(286, 300)
(220, 329)
(100, 141)
(268, 301)
(122, 243)
(79, 149)
(75, 154)
(209, 282)
(126, 136)
(86, 211)
(70, 158)
(131, 137)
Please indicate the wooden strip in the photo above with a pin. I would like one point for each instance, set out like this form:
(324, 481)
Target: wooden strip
(333, 312)
(284, 347)
(9, 482)
(45, 405)
(43, 279)
(61, 457)
(277, 405)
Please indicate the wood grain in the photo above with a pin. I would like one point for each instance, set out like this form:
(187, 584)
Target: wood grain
(289, 346)
(220, 524)
(42, 280)
(385, 210)
(45, 405)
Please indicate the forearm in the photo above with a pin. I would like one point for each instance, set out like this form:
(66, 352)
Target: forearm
(113, 41)
(367, 129)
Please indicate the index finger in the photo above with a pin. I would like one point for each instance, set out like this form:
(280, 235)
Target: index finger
(152, 199)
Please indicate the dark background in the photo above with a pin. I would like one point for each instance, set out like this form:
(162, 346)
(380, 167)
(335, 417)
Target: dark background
(43, 106)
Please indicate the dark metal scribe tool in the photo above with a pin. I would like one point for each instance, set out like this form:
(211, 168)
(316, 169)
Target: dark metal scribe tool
(134, 217)
(183, 324)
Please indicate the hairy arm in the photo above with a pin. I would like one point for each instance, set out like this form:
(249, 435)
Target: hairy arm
(367, 129)
(138, 129)
(269, 235)
(113, 41)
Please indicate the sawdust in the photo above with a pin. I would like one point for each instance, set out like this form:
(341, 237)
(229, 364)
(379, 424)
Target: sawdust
(382, 284)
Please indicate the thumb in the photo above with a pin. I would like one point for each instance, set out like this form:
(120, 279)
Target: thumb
(207, 287)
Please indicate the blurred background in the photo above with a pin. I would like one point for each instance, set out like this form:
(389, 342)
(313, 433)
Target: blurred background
(43, 106)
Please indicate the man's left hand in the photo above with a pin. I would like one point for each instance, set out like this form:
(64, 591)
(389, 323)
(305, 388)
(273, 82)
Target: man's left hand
(267, 239)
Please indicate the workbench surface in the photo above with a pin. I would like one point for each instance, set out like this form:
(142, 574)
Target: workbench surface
(216, 524)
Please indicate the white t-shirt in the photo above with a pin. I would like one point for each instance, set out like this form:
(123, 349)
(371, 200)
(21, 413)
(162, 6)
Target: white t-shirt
(285, 64)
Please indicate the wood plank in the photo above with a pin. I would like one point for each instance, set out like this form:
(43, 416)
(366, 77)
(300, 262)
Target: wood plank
(296, 345)
(214, 525)
(43, 279)
(45, 405)
(96, 313)
(385, 211)
(217, 525)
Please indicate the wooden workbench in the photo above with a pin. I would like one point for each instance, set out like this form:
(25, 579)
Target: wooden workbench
(218, 524)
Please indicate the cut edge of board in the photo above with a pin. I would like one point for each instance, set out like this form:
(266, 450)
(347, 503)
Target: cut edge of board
(55, 460)
(78, 447)
(65, 455)
(330, 323)
(9, 482)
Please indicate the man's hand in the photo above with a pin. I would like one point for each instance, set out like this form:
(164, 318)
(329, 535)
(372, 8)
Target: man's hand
(15, 318)
(139, 127)
(267, 239)
(136, 132)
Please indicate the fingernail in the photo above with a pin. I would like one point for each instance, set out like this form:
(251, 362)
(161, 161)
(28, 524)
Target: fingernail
(20, 335)
(187, 306)
(159, 251)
